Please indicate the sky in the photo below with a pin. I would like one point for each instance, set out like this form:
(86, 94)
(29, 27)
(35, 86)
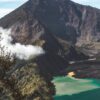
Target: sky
(6, 6)
(94, 3)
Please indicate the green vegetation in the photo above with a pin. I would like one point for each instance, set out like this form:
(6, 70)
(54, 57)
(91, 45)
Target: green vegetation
(39, 42)
(23, 83)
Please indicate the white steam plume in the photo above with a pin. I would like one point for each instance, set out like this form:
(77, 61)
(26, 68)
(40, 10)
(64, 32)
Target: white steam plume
(21, 51)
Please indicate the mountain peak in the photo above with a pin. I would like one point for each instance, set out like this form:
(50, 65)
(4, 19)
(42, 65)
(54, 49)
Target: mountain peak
(62, 20)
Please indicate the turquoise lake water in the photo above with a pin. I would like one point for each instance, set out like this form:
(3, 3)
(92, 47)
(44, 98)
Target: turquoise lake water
(68, 88)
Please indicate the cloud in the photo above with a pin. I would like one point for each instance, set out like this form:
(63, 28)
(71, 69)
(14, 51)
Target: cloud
(20, 51)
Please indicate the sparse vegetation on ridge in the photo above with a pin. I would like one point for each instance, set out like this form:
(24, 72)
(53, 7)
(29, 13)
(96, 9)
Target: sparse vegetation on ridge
(24, 83)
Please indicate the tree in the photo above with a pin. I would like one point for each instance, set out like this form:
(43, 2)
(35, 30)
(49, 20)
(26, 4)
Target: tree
(24, 83)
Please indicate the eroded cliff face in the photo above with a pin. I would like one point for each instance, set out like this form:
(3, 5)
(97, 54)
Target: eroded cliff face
(64, 29)
(59, 23)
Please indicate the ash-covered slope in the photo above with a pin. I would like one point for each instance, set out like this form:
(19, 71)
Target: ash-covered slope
(63, 28)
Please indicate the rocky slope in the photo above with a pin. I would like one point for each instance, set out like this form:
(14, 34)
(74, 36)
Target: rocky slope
(66, 31)
(58, 23)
